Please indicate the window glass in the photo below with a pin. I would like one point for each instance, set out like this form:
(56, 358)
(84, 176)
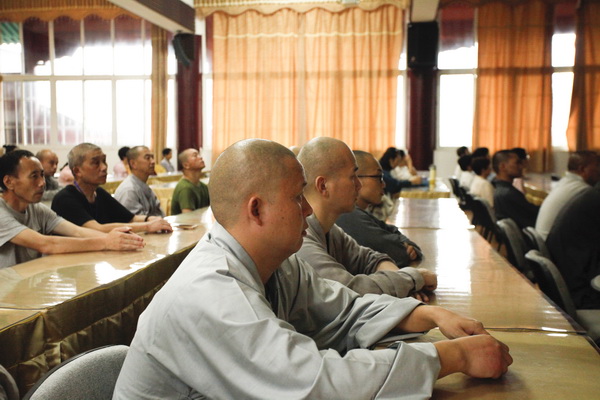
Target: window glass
(148, 111)
(13, 111)
(129, 49)
(401, 114)
(97, 112)
(562, 87)
(37, 47)
(69, 109)
(457, 48)
(10, 48)
(68, 54)
(563, 49)
(37, 112)
(456, 107)
(130, 112)
(98, 50)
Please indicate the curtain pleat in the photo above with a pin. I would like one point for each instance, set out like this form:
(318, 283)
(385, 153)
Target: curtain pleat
(514, 82)
(583, 132)
(292, 76)
(159, 91)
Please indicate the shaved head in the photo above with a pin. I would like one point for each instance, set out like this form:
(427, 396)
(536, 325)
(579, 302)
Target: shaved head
(364, 160)
(184, 155)
(246, 168)
(321, 157)
(42, 154)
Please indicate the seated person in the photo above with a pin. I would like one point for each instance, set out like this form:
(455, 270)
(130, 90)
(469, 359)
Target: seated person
(461, 151)
(332, 190)
(388, 161)
(134, 193)
(508, 201)
(29, 229)
(49, 161)
(369, 231)
(167, 154)
(405, 169)
(467, 175)
(65, 176)
(86, 204)
(121, 170)
(481, 187)
(190, 194)
(583, 172)
(573, 244)
(244, 318)
(519, 183)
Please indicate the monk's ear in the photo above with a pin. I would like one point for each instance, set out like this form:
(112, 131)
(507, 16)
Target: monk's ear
(254, 208)
(321, 185)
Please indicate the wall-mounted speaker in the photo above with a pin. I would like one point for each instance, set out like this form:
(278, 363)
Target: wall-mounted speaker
(422, 47)
(184, 45)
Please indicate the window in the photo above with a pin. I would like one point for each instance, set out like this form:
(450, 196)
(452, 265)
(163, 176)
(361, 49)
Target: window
(67, 82)
(457, 60)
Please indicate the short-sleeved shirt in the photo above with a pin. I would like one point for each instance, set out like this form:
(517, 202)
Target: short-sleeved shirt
(73, 206)
(136, 196)
(190, 196)
(37, 217)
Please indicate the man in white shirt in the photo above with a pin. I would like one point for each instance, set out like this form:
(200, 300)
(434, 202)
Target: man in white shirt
(583, 172)
(242, 318)
(467, 175)
(30, 229)
(481, 187)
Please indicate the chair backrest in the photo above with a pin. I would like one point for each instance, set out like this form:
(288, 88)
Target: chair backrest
(484, 217)
(8, 387)
(455, 187)
(550, 281)
(91, 375)
(516, 247)
(536, 241)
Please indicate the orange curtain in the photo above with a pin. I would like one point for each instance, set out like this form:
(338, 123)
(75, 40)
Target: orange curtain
(583, 132)
(514, 81)
(291, 76)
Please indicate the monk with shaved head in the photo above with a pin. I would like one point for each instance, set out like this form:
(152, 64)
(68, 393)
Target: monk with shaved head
(244, 318)
(49, 161)
(190, 194)
(332, 190)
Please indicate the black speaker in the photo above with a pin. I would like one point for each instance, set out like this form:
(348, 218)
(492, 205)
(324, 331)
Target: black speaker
(422, 48)
(184, 45)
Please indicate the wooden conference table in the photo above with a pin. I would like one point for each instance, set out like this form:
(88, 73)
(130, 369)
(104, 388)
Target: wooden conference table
(58, 306)
(553, 359)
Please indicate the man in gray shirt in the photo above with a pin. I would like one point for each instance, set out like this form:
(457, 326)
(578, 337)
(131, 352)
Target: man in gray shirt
(134, 193)
(332, 190)
(28, 228)
(243, 318)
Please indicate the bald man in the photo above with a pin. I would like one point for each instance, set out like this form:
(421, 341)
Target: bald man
(134, 193)
(332, 190)
(365, 228)
(49, 161)
(244, 318)
(190, 194)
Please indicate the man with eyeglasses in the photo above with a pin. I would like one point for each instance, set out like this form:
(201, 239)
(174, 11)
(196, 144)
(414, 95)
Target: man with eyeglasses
(332, 190)
(369, 231)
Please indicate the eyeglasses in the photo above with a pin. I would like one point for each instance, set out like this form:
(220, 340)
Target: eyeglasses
(379, 177)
